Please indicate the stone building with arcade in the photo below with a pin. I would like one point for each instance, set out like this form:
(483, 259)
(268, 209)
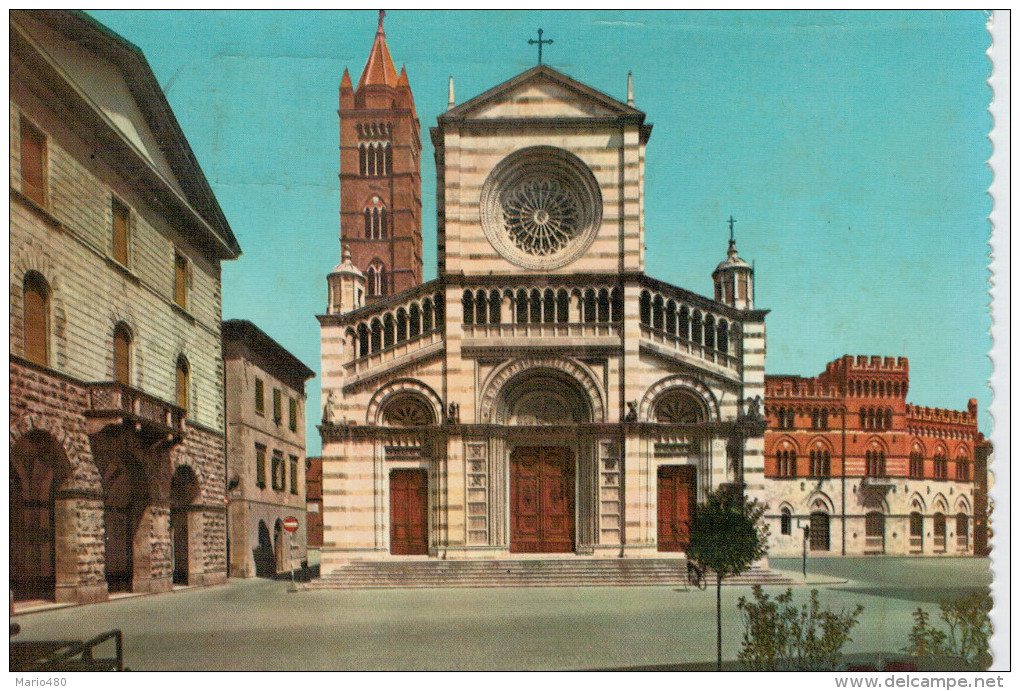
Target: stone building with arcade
(117, 466)
(543, 395)
(866, 472)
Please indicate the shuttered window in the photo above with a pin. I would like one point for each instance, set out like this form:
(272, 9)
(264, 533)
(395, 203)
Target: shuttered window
(36, 320)
(293, 415)
(180, 280)
(121, 225)
(260, 466)
(293, 474)
(122, 355)
(260, 397)
(33, 163)
(277, 406)
(183, 377)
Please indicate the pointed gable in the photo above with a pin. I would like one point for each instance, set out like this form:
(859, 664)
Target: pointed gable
(542, 92)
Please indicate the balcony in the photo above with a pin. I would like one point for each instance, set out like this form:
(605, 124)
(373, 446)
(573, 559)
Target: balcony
(113, 403)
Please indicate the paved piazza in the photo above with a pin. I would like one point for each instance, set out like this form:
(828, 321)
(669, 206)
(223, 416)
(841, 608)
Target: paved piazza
(259, 625)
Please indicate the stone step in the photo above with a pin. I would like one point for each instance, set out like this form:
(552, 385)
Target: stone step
(524, 573)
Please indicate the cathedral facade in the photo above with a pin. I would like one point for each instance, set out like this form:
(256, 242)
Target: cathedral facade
(542, 395)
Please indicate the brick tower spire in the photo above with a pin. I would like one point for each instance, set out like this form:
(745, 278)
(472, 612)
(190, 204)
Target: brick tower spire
(380, 174)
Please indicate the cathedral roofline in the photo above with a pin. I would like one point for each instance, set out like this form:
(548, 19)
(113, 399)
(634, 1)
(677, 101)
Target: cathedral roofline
(541, 72)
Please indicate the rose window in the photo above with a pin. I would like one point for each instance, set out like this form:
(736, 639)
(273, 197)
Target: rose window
(541, 208)
(541, 216)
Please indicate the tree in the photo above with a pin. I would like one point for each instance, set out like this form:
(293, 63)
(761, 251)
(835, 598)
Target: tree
(727, 536)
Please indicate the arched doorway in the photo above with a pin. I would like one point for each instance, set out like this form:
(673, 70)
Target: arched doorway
(874, 532)
(125, 504)
(38, 467)
(184, 490)
(940, 532)
(819, 532)
(265, 557)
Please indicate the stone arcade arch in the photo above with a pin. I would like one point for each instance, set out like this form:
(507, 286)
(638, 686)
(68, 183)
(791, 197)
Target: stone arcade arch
(544, 474)
(38, 469)
(185, 524)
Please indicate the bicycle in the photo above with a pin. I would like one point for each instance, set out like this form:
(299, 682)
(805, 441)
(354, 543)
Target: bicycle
(696, 576)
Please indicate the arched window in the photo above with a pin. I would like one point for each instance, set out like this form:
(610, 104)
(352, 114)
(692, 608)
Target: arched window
(940, 466)
(387, 167)
(670, 325)
(182, 381)
(376, 344)
(916, 532)
(940, 532)
(679, 406)
(549, 306)
(376, 219)
(617, 300)
(785, 521)
(888, 418)
(603, 309)
(710, 331)
(864, 418)
(590, 315)
(874, 532)
(562, 306)
(684, 327)
(362, 159)
(401, 325)
(820, 462)
(786, 463)
(535, 300)
(697, 334)
(495, 307)
(122, 354)
(388, 331)
(481, 307)
(874, 462)
(428, 316)
(36, 319)
(363, 343)
(414, 319)
(439, 313)
(962, 531)
(722, 340)
(916, 463)
(962, 466)
(376, 279)
(645, 306)
(657, 310)
(521, 304)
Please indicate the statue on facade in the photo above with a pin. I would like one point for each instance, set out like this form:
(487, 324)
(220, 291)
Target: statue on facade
(330, 408)
(631, 415)
(453, 414)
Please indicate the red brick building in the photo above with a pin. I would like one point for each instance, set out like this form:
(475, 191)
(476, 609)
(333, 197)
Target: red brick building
(313, 499)
(380, 175)
(869, 473)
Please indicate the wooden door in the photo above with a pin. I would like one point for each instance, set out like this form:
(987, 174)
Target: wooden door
(179, 533)
(409, 511)
(119, 544)
(542, 499)
(678, 495)
(32, 541)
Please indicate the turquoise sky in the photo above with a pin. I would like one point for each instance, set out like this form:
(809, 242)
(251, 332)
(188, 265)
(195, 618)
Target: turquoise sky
(850, 147)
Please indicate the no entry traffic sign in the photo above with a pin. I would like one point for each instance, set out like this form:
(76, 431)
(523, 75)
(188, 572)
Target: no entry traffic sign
(290, 524)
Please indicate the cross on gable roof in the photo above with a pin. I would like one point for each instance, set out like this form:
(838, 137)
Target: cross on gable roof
(598, 104)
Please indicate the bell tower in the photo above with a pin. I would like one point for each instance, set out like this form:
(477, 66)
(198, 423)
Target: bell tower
(380, 174)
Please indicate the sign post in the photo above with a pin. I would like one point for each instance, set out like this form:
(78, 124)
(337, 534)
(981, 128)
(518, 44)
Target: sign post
(290, 524)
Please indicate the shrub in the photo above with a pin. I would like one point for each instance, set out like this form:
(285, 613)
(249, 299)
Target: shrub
(780, 635)
(969, 630)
